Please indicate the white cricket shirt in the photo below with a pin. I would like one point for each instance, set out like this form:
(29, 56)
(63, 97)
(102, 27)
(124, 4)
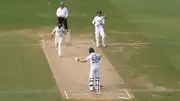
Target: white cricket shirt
(94, 58)
(62, 12)
(98, 21)
(58, 32)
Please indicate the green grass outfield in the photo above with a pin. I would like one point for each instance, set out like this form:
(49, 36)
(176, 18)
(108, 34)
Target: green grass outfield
(25, 73)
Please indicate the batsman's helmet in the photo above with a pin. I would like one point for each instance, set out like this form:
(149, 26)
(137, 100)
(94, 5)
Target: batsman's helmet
(91, 50)
(99, 12)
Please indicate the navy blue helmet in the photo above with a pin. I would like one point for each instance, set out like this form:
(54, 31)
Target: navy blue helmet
(99, 12)
(91, 50)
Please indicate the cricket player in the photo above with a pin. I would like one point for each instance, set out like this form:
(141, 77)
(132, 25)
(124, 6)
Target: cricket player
(58, 31)
(99, 22)
(62, 14)
(94, 59)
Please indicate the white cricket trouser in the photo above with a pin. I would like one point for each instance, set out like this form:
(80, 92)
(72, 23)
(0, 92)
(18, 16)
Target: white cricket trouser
(99, 31)
(58, 41)
(94, 74)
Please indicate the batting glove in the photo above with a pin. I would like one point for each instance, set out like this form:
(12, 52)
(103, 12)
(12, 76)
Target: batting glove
(76, 58)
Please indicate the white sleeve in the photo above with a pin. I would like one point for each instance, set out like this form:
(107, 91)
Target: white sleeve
(54, 30)
(93, 22)
(57, 13)
(88, 58)
(103, 21)
(66, 13)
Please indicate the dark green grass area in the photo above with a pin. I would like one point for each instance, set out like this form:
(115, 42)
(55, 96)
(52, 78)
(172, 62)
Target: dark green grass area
(26, 14)
(156, 63)
(25, 73)
(18, 38)
(153, 22)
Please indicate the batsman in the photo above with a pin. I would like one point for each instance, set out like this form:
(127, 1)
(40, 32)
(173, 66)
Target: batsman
(94, 59)
(99, 22)
(58, 31)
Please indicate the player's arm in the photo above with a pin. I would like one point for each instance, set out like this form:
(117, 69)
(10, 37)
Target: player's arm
(103, 22)
(57, 13)
(54, 30)
(82, 61)
(93, 22)
(52, 33)
(66, 13)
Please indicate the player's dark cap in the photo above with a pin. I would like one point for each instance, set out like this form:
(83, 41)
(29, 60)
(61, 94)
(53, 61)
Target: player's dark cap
(91, 50)
(100, 12)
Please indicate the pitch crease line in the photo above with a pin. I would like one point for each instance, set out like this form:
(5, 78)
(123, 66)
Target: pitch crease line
(43, 42)
(92, 42)
(123, 98)
(66, 95)
(127, 94)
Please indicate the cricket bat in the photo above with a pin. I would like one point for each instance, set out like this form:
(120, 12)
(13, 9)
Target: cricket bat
(102, 18)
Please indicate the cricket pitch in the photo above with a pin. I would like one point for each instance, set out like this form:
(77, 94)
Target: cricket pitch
(72, 77)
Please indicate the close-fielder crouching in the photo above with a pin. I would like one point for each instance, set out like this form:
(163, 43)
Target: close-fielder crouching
(94, 59)
(58, 31)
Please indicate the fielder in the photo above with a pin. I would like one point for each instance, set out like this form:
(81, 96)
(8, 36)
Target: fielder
(94, 59)
(58, 31)
(99, 22)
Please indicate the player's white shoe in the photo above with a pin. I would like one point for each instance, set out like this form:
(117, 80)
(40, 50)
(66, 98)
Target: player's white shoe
(104, 45)
(91, 88)
(59, 55)
(98, 46)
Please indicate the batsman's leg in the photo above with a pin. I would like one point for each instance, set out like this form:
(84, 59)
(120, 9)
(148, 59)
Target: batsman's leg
(59, 46)
(104, 41)
(56, 43)
(103, 34)
(97, 32)
(97, 80)
(91, 79)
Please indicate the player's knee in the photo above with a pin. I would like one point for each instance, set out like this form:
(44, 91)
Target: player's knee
(103, 36)
(97, 33)
(97, 36)
(97, 78)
